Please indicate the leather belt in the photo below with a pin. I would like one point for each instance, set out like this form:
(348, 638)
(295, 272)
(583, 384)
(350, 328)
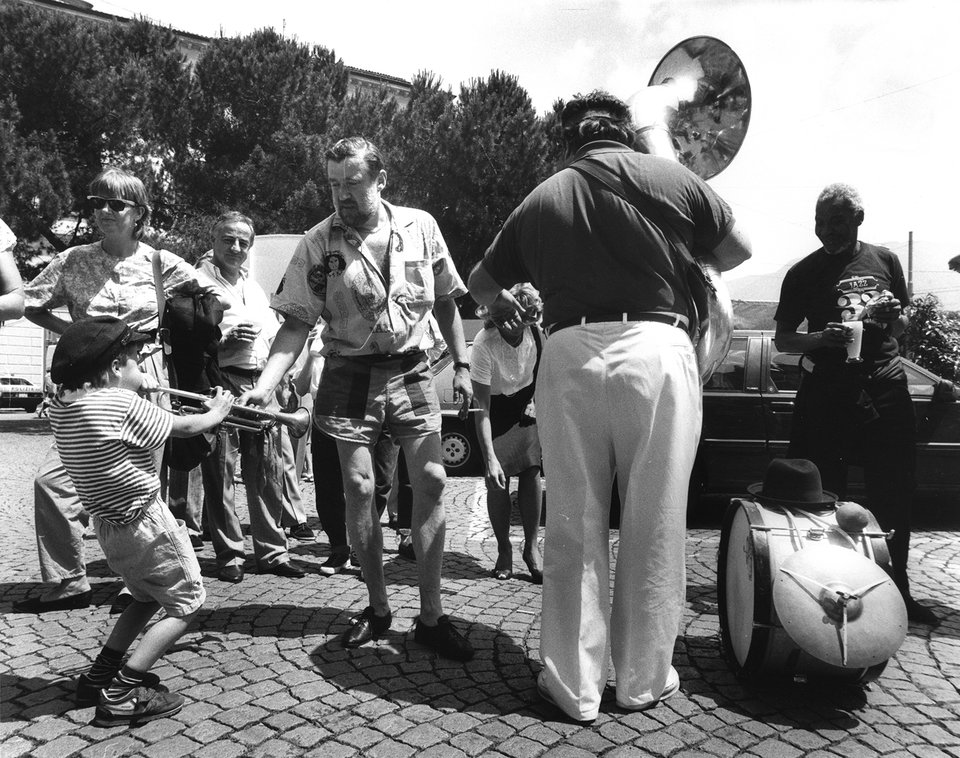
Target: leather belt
(673, 319)
(248, 373)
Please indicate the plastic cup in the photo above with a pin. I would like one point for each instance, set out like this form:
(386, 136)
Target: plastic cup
(853, 347)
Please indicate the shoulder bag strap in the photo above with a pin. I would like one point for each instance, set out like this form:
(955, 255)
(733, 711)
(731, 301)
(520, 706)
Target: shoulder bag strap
(163, 336)
(649, 211)
(538, 341)
(683, 259)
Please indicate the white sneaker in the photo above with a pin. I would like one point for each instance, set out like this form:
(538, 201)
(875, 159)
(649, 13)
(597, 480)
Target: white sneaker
(672, 685)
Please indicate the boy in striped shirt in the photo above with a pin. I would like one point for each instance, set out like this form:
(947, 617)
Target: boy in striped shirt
(106, 435)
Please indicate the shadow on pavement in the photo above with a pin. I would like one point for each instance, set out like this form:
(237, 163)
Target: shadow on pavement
(499, 680)
(46, 697)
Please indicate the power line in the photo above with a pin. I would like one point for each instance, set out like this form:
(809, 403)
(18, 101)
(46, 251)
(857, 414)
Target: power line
(881, 96)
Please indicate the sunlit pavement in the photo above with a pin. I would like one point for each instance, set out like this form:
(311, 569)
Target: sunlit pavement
(264, 674)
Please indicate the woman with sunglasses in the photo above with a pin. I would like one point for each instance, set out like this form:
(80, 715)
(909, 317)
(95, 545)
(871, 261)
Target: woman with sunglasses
(111, 277)
(504, 362)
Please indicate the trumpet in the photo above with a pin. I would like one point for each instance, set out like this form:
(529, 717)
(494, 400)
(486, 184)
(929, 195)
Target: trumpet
(243, 417)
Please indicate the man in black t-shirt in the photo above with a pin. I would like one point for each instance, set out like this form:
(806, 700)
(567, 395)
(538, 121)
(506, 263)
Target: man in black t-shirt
(854, 409)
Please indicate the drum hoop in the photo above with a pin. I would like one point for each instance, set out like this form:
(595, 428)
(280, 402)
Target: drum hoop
(763, 588)
(763, 596)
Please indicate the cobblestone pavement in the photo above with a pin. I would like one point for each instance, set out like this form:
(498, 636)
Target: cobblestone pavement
(264, 675)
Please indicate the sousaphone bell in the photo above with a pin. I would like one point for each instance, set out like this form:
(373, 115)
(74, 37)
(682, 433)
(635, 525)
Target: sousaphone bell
(696, 110)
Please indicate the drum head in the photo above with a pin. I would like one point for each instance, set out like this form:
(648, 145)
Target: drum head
(740, 586)
(839, 606)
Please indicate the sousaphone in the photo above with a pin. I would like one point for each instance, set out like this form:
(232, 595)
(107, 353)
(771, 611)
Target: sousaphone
(696, 110)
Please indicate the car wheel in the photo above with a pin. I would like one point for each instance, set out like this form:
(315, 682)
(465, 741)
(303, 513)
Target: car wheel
(456, 449)
(31, 407)
(459, 451)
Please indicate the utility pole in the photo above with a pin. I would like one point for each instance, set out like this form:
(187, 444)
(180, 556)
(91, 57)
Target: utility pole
(910, 266)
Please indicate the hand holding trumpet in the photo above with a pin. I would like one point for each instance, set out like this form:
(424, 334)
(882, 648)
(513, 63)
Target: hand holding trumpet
(223, 408)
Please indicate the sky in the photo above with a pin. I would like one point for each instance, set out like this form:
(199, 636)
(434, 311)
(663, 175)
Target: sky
(861, 91)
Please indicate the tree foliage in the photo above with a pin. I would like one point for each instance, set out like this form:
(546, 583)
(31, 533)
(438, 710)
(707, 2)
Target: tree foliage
(86, 95)
(933, 337)
(245, 129)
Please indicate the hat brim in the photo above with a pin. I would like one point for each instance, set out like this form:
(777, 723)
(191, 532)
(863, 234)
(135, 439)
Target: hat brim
(756, 490)
(138, 337)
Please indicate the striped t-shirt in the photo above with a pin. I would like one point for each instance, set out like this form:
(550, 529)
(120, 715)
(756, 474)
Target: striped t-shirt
(105, 440)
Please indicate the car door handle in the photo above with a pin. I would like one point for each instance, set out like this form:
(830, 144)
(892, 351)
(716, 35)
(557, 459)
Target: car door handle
(781, 407)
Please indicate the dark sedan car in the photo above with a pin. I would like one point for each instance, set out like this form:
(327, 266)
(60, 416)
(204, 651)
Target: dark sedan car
(748, 410)
(16, 392)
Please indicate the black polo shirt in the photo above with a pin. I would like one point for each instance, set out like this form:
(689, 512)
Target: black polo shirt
(591, 252)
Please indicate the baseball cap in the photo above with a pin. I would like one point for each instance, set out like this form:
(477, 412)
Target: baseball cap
(86, 346)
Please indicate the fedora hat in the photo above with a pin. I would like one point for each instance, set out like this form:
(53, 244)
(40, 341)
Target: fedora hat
(792, 481)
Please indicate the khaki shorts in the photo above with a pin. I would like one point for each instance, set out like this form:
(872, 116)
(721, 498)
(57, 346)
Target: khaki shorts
(360, 397)
(154, 558)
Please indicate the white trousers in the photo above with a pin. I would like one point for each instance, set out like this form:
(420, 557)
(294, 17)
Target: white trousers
(623, 399)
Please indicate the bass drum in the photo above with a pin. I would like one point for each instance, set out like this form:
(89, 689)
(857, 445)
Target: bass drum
(755, 540)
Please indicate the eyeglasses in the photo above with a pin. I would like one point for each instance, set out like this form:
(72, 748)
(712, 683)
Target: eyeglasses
(116, 204)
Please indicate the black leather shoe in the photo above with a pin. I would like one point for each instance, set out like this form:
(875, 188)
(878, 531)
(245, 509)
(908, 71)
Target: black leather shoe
(366, 626)
(405, 548)
(36, 605)
(285, 569)
(121, 603)
(232, 574)
(444, 639)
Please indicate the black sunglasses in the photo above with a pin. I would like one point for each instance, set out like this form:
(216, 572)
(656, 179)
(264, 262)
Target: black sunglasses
(116, 204)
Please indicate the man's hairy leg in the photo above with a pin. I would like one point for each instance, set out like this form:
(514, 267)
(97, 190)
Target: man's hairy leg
(363, 525)
(429, 524)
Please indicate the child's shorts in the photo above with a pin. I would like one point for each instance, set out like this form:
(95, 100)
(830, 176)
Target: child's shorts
(154, 558)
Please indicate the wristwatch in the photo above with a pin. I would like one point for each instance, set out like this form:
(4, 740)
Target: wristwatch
(461, 364)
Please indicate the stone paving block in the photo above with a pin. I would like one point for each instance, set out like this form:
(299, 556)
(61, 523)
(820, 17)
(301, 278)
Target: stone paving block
(588, 739)
(568, 751)
(242, 715)
(222, 749)
(423, 736)
(470, 743)
(275, 748)
(720, 748)
(59, 747)
(541, 734)
(521, 747)
(116, 747)
(394, 749)
(207, 731)
(174, 747)
(935, 734)
(47, 729)
(15, 747)
(278, 701)
(331, 750)
(658, 743)
(253, 734)
(617, 733)
(307, 735)
(775, 748)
